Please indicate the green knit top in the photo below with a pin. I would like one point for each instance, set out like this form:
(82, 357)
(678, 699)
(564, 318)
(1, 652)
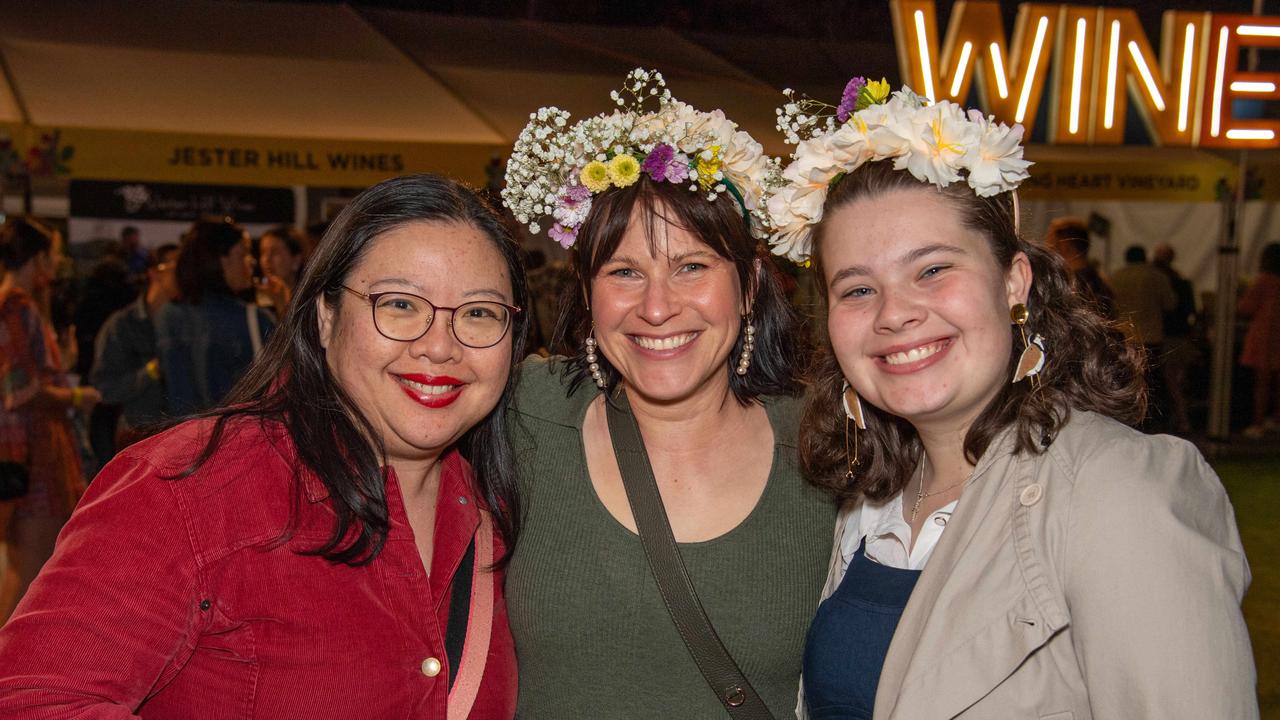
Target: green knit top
(593, 637)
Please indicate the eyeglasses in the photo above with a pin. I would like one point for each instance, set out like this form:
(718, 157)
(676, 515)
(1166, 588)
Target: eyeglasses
(406, 317)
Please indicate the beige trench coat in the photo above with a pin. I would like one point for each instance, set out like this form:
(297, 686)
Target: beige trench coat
(1101, 579)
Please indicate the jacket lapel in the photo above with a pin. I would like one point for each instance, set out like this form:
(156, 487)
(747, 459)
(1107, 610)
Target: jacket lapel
(979, 608)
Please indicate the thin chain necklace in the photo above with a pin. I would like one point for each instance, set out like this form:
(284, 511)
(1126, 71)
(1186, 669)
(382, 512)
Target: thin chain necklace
(921, 494)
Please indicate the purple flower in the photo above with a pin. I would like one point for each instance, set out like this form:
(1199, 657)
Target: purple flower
(849, 99)
(563, 235)
(655, 163)
(678, 168)
(573, 196)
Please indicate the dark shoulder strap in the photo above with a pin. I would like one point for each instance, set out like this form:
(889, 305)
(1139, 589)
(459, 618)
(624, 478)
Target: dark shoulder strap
(459, 608)
(713, 660)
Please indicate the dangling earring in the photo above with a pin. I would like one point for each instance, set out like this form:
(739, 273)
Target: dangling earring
(1031, 362)
(593, 362)
(748, 345)
(852, 413)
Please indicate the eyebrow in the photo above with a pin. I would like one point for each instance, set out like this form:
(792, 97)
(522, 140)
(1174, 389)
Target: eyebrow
(910, 257)
(501, 296)
(673, 259)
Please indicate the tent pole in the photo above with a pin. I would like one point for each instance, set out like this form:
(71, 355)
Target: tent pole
(1224, 311)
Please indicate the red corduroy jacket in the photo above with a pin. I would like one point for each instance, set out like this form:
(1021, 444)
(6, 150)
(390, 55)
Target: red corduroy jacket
(168, 599)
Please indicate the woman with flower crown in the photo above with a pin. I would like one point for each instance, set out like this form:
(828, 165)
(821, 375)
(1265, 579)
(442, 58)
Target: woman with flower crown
(682, 376)
(1008, 546)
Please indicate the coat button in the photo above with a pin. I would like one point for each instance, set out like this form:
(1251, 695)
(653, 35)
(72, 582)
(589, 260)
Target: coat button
(431, 667)
(1031, 494)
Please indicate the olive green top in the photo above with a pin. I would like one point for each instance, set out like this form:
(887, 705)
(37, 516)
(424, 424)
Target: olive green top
(593, 637)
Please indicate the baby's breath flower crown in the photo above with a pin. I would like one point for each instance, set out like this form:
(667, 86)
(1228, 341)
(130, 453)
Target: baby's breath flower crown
(555, 169)
(938, 144)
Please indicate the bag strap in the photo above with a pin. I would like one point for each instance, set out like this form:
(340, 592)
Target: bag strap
(459, 607)
(718, 668)
(475, 648)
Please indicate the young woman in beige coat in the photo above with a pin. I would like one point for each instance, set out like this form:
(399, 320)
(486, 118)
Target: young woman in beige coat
(1009, 546)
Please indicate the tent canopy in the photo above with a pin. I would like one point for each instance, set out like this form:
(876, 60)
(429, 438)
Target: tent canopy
(237, 68)
(506, 69)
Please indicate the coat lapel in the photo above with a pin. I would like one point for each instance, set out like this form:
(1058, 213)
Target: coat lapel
(978, 609)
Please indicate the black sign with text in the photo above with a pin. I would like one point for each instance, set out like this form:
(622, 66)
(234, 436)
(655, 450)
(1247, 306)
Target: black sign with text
(171, 201)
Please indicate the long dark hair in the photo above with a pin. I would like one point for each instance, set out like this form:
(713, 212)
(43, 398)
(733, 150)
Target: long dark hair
(291, 382)
(719, 223)
(20, 240)
(1090, 365)
(204, 245)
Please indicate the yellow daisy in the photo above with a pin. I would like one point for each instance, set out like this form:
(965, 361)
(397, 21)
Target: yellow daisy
(595, 176)
(624, 170)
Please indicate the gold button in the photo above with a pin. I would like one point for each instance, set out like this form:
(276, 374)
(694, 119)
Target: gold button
(431, 667)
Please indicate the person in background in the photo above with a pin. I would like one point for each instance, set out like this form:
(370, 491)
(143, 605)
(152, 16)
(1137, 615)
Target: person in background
(134, 255)
(1261, 353)
(127, 366)
(1143, 296)
(110, 287)
(328, 543)
(34, 427)
(1179, 348)
(207, 336)
(1009, 547)
(312, 237)
(280, 257)
(1069, 237)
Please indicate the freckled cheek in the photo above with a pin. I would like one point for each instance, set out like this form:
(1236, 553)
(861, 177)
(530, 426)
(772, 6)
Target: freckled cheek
(846, 334)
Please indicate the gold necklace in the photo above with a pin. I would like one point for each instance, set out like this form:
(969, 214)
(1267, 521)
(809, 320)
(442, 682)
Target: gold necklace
(921, 494)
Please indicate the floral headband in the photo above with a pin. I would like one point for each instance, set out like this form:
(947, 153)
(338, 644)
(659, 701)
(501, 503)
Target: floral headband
(555, 169)
(938, 143)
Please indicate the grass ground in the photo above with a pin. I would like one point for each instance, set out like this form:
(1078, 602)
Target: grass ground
(1254, 486)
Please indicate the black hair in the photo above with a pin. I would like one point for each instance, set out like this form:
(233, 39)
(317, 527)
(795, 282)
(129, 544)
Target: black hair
(1135, 254)
(156, 256)
(1269, 262)
(292, 384)
(289, 235)
(200, 258)
(778, 345)
(22, 239)
(1074, 233)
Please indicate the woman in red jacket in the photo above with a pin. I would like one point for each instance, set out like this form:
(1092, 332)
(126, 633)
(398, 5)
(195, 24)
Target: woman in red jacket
(327, 544)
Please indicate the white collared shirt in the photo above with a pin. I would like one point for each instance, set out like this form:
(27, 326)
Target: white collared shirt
(888, 534)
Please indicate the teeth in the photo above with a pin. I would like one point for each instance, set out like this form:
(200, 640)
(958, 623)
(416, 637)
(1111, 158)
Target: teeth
(429, 389)
(912, 355)
(670, 343)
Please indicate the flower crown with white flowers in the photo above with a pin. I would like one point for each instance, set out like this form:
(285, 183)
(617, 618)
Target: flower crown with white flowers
(938, 143)
(555, 169)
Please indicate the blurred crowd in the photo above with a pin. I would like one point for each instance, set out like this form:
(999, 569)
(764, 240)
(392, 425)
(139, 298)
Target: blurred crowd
(93, 359)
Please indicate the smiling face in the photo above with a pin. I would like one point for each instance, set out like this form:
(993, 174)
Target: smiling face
(667, 313)
(919, 307)
(420, 396)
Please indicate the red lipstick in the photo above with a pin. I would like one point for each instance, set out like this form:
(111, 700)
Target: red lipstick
(433, 401)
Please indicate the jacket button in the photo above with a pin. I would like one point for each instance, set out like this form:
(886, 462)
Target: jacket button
(1031, 494)
(431, 667)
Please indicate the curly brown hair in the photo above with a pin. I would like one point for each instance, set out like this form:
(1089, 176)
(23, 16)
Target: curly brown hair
(1090, 366)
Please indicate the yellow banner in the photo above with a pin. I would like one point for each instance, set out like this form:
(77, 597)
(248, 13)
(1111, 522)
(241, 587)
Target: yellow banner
(97, 154)
(1067, 180)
